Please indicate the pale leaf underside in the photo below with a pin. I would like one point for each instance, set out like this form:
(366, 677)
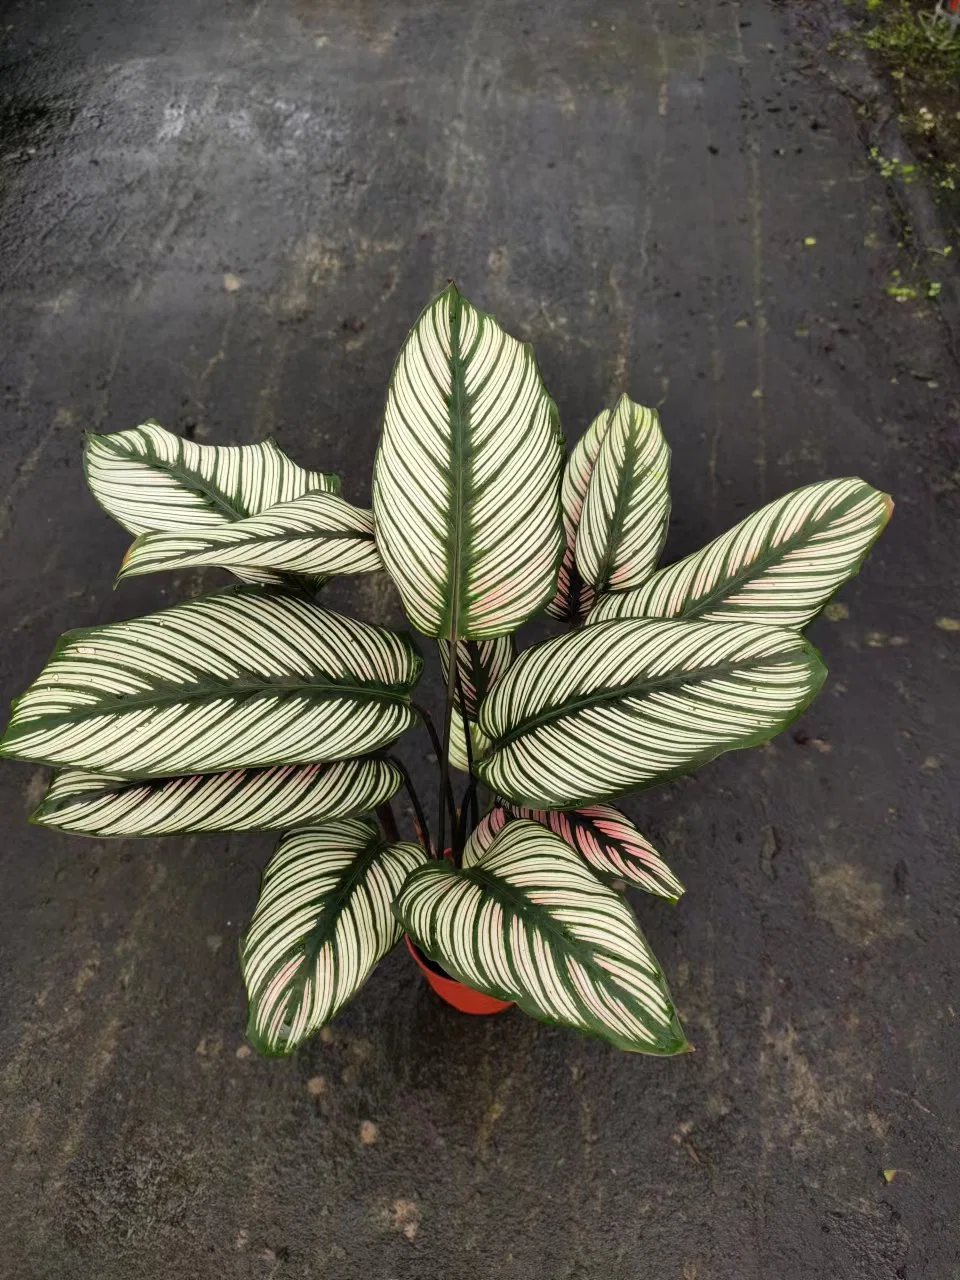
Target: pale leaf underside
(242, 799)
(604, 837)
(317, 534)
(147, 478)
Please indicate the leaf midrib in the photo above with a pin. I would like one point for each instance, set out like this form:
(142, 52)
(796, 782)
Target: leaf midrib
(626, 484)
(288, 535)
(121, 704)
(190, 480)
(354, 873)
(760, 564)
(459, 412)
(544, 922)
(635, 690)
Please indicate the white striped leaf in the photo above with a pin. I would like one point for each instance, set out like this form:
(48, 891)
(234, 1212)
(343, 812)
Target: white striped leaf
(623, 523)
(603, 836)
(317, 534)
(239, 679)
(479, 741)
(480, 663)
(530, 922)
(467, 477)
(611, 844)
(483, 835)
(627, 704)
(574, 597)
(322, 923)
(779, 566)
(147, 478)
(96, 804)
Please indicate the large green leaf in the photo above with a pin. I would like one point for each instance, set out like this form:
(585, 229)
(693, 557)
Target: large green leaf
(603, 836)
(466, 484)
(530, 922)
(574, 597)
(779, 566)
(623, 523)
(148, 478)
(480, 663)
(96, 804)
(322, 923)
(317, 534)
(627, 704)
(240, 679)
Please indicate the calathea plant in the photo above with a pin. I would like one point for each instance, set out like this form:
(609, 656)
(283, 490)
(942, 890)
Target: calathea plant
(257, 707)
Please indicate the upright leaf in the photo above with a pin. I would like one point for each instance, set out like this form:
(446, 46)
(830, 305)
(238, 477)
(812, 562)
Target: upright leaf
(626, 704)
(466, 484)
(529, 922)
(574, 597)
(480, 664)
(97, 804)
(626, 509)
(240, 679)
(779, 566)
(322, 923)
(317, 534)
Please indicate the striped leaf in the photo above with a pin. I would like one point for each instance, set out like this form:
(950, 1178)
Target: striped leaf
(779, 566)
(628, 704)
(480, 663)
(458, 741)
(574, 597)
(611, 844)
(626, 508)
(467, 477)
(483, 835)
(603, 836)
(95, 804)
(529, 922)
(322, 923)
(147, 478)
(240, 679)
(317, 534)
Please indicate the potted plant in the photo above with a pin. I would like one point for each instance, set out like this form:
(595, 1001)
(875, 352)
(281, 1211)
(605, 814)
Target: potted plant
(257, 707)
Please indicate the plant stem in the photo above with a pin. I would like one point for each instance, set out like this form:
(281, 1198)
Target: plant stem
(469, 805)
(419, 817)
(445, 785)
(388, 821)
(472, 789)
(427, 719)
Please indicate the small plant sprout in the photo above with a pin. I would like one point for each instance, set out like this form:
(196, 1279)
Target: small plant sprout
(256, 707)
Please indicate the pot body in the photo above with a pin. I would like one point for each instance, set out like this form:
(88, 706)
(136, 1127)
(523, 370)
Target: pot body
(461, 997)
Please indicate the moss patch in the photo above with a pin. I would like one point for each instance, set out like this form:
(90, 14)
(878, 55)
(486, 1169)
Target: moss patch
(926, 76)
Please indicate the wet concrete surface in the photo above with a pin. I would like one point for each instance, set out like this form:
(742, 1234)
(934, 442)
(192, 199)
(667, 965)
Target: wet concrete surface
(226, 215)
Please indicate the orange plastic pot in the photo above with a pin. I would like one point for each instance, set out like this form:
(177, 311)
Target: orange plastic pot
(456, 993)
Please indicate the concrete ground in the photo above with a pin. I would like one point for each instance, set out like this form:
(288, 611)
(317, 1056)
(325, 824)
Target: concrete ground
(225, 215)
